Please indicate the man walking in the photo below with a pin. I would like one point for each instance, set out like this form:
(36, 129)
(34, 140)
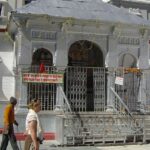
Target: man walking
(8, 131)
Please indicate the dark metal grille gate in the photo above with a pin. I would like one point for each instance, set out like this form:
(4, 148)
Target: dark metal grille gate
(99, 89)
(76, 83)
(85, 88)
(45, 92)
(129, 91)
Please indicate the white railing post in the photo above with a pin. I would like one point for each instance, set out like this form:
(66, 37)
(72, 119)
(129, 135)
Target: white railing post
(110, 97)
(59, 98)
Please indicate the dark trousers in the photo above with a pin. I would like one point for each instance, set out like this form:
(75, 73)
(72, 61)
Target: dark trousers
(9, 137)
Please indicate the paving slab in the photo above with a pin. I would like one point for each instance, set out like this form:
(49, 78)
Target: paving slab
(123, 147)
(47, 145)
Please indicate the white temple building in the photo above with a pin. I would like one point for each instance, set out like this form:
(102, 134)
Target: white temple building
(87, 62)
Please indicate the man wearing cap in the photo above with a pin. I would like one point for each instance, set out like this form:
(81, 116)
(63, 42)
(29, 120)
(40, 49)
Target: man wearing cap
(8, 131)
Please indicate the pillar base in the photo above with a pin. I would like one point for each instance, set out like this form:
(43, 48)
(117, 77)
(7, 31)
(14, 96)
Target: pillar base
(110, 109)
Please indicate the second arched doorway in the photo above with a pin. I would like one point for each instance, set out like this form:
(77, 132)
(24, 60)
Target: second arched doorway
(42, 63)
(130, 89)
(85, 77)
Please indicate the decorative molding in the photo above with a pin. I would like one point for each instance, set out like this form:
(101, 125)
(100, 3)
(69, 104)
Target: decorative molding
(129, 40)
(43, 35)
(143, 32)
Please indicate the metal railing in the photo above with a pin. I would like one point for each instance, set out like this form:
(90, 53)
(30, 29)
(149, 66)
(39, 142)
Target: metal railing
(86, 88)
(45, 92)
(120, 123)
(62, 101)
(127, 121)
(119, 105)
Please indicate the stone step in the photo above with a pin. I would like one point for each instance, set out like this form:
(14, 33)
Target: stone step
(98, 138)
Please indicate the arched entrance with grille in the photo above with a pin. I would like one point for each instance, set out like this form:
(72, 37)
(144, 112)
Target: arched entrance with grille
(130, 88)
(42, 61)
(85, 77)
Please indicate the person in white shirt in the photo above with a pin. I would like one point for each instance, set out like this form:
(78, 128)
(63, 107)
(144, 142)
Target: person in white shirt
(34, 129)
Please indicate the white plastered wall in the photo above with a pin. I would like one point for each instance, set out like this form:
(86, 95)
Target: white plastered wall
(7, 80)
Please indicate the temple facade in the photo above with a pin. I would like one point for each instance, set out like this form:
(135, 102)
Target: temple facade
(89, 68)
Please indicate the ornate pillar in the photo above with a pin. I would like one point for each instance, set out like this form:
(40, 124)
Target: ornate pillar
(21, 93)
(143, 63)
(111, 64)
(21, 88)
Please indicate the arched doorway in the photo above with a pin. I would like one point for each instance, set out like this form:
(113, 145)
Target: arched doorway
(130, 89)
(127, 60)
(42, 56)
(84, 74)
(45, 92)
(85, 53)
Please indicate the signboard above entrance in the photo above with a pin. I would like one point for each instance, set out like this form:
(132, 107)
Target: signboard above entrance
(42, 78)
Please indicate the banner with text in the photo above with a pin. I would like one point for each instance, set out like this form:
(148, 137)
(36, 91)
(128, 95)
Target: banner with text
(42, 78)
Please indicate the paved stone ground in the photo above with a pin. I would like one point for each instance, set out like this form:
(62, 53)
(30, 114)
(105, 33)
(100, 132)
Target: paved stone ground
(125, 147)
(50, 146)
(47, 146)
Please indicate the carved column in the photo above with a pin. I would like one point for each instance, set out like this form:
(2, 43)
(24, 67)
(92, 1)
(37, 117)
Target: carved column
(21, 88)
(112, 46)
(143, 63)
